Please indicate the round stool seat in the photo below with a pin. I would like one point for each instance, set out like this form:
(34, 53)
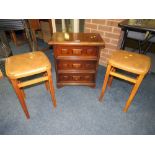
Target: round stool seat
(130, 61)
(26, 64)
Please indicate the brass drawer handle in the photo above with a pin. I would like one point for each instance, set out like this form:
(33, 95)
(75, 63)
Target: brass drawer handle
(76, 65)
(76, 78)
(77, 51)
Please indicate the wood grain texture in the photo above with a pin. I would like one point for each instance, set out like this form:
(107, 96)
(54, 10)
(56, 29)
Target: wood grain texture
(20, 97)
(26, 65)
(76, 58)
(1, 75)
(132, 63)
(79, 39)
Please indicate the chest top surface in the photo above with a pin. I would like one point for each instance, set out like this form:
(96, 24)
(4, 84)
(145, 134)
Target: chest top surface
(90, 39)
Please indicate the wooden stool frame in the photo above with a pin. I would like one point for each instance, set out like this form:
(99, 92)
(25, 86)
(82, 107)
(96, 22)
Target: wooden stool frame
(111, 72)
(18, 87)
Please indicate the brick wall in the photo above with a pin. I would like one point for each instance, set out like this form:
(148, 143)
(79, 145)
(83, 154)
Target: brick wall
(109, 31)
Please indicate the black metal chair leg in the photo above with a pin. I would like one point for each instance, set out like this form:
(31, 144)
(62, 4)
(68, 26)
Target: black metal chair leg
(124, 40)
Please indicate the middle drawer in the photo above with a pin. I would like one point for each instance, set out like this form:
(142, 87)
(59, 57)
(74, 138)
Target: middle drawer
(76, 65)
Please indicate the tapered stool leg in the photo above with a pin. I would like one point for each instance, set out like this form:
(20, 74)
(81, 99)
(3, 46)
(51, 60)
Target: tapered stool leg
(111, 77)
(20, 97)
(133, 92)
(23, 93)
(105, 82)
(21, 89)
(46, 83)
(51, 88)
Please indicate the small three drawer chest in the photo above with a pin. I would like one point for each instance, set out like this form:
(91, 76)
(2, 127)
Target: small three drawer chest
(76, 58)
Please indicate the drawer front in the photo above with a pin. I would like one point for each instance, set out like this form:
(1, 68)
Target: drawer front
(76, 51)
(76, 65)
(76, 77)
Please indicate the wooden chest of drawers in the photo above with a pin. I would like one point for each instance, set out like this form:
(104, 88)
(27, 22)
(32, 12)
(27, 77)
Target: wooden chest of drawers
(76, 58)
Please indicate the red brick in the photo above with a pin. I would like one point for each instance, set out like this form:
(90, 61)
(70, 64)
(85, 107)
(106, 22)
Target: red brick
(103, 58)
(116, 30)
(107, 40)
(105, 28)
(115, 42)
(112, 23)
(104, 51)
(96, 31)
(119, 20)
(92, 26)
(109, 31)
(99, 21)
(103, 63)
(112, 35)
(111, 46)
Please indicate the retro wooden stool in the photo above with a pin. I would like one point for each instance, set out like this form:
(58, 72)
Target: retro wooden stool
(134, 63)
(25, 65)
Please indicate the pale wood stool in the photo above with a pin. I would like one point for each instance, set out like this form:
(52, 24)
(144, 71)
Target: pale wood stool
(26, 65)
(134, 63)
(1, 75)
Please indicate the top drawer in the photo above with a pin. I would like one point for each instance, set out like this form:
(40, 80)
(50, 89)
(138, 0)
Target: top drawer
(76, 51)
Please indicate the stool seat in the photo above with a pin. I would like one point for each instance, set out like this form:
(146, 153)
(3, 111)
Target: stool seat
(26, 64)
(131, 62)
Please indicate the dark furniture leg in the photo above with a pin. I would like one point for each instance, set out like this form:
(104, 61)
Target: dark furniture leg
(124, 40)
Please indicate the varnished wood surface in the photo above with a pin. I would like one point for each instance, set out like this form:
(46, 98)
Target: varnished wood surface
(76, 58)
(1, 75)
(128, 61)
(90, 39)
(26, 64)
(20, 96)
(62, 84)
(76, 65)
(30, 82)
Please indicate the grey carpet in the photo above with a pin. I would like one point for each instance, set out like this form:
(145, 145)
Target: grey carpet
(78, 110)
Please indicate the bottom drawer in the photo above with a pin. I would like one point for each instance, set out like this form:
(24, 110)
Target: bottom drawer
(76, 77)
